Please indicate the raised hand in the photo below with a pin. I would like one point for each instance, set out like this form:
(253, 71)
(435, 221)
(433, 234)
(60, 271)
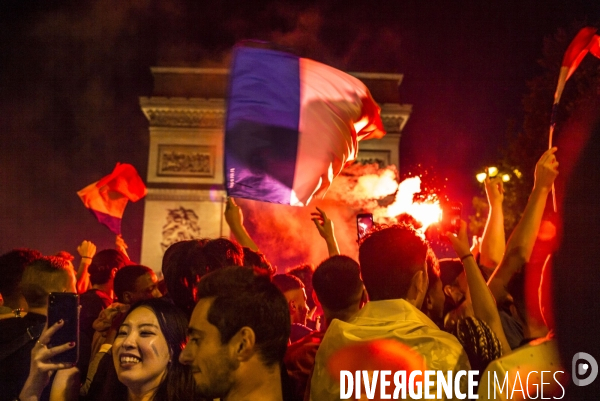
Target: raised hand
(460, 241)
(325, 227)
(86, 249)
(494, 188)
(546, 170)
(233, 213)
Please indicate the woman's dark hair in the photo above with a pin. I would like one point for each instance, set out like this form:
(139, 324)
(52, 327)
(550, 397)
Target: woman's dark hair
(178, 384)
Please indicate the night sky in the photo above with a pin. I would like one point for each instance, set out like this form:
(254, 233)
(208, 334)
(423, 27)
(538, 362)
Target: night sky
(71, 73)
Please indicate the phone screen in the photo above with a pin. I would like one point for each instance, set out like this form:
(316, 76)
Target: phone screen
(451, 216)
(364, 224)
(64, 305)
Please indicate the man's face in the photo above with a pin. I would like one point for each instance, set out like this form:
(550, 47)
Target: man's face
(459, 288)
(145, 288)
(212, 363)
(436, 300)
(297, 303)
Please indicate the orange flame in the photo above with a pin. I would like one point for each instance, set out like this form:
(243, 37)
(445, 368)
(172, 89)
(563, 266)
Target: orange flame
(427, 212)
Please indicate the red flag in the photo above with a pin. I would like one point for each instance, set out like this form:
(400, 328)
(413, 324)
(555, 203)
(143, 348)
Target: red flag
(107, 198)
(585, 41)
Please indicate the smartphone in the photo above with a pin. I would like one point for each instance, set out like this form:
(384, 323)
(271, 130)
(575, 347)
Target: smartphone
(64, 305)
(364, 224)
(451, 215)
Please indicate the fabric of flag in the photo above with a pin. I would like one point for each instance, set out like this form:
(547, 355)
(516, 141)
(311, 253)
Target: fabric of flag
(107, 198)
(585, 41)
(292, 124)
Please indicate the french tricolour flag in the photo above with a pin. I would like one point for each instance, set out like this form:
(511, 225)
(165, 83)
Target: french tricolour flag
(292, 124)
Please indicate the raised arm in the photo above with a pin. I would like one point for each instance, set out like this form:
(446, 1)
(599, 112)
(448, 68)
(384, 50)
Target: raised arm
(520, 244)
(325, 227)
(493, 242)
(121, 245)
(484, 305)
(86, 251)
(235, 221)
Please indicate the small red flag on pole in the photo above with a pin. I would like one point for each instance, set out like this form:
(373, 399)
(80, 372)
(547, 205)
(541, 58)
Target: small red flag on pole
(585, 41)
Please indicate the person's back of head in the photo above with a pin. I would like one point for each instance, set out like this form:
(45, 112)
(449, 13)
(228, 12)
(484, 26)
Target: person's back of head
(221, 252)
(12, 266)
(292, 289)
(244, 298)
(287, 282)
(389, 257)
(103, 264)
(182, 266)
(256, 259)
(305, 273)
(45, 275)
(337, 283)
(134, 283)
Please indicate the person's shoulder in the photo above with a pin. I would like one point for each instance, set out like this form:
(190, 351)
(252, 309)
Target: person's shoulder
(13, 326)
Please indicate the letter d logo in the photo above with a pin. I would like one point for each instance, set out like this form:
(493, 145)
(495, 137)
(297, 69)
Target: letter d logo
(580, 369)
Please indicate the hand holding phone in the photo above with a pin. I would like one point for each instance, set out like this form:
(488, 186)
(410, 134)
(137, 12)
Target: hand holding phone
(64, 306)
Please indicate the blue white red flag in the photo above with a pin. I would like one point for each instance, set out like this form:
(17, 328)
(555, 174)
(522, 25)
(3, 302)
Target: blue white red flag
(292, 124)
(107, 198)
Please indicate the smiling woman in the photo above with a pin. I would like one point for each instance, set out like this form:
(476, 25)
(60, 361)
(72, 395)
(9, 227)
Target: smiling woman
(145, 354)
(145, 357)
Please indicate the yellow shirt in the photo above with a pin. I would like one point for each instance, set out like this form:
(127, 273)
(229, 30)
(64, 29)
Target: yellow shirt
(391, 319)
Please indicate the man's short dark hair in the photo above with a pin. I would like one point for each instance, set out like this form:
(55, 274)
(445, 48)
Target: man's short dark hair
(126, 277)
(337, 283)
(12, 266)
(221, 252)
(256, 259)
(246, 297)
(389, 258)
(42, 276)
(287, 282)
(104, 262)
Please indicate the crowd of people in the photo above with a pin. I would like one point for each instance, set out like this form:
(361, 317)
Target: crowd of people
(223, 325)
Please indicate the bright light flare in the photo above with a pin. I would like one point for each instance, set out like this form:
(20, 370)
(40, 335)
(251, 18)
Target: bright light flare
(427, 212)
(481, 177)
(493, 171)
(505, 178)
